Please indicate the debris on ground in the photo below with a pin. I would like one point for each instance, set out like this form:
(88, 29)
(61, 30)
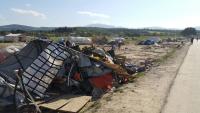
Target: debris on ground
(47, 76)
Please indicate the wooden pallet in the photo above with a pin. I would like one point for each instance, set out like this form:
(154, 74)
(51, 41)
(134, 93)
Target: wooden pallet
(67, 103)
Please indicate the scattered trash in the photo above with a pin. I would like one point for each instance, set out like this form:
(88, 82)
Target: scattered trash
(47, 70)
(150, 41)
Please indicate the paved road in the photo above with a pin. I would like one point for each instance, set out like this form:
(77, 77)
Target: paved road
(184, 96)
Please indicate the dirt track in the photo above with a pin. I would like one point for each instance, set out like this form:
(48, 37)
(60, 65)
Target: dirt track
(146, 95)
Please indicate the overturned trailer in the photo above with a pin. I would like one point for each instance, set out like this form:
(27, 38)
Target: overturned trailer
(41, 64)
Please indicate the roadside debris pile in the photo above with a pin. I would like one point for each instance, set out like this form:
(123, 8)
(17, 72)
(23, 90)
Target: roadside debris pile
(44, 70)
(147, 54)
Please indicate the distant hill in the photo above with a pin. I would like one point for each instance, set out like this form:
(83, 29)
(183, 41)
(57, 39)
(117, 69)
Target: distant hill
(155, 27)
(101, 26)
(160, 28)
(30, 28)
(24, 28)
(149, 28)
(91, 30)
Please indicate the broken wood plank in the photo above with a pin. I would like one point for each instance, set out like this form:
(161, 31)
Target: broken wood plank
(68, 103)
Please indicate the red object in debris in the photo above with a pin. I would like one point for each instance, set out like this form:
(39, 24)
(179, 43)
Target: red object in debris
(2, 56)
(77, 76)
(104, 82)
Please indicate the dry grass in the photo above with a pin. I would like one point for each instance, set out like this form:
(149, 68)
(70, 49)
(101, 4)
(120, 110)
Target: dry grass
(3, 45)
(166, 56)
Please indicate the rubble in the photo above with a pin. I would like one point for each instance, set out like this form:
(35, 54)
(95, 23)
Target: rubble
(47, 70)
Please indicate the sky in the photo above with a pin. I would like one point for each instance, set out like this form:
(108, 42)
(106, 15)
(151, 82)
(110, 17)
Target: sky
(121, 13)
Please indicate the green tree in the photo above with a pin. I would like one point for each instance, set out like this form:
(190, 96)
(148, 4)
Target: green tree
(189, 31)
(3, 33)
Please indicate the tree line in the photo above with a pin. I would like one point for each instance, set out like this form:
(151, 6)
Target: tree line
(91, 32)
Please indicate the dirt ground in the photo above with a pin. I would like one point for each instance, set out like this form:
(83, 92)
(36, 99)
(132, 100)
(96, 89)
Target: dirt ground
(4, 45)
(138, 53)
(147, 94)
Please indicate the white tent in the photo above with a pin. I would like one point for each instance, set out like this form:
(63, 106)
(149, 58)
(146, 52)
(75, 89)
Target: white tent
(81, 40)
(1, 38)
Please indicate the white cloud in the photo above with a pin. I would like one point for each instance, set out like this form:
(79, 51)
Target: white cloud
(29, 12)
(92, 14)
(28, 5)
